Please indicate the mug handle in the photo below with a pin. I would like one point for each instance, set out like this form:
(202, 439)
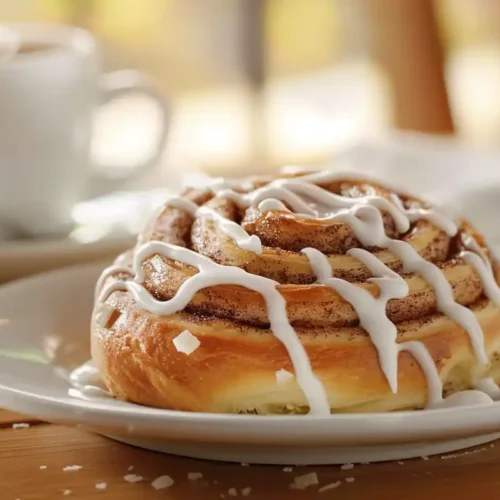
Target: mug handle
(118, 84)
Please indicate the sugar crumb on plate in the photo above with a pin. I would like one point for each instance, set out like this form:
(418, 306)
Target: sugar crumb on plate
(302, 482)
(133, 478)
(20, 425)
(162, 482)
(70, 468)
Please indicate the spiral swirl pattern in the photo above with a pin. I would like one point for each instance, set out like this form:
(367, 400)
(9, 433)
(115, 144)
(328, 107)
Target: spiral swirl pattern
(284, 235)
(272, 228)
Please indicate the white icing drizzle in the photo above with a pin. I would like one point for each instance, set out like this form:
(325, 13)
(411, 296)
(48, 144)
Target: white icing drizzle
(370, 310)
(306, 185)
(212, 274)
(426, 362)
(364, 216)
(371, 226)
(226, 226)
(310, 201)
(233, 230)
(414, 263)
(365, 221)
(182, 204)
(432, 215)
(478, 260)
(293, 192)
(383, 333)
(272, 205)
(107, 273)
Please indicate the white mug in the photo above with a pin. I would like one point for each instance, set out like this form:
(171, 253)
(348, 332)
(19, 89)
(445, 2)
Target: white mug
(48, 96)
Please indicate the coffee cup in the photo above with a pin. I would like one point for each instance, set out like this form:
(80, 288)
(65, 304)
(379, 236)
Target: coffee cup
(50, 88)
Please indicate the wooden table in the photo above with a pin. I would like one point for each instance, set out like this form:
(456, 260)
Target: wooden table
(32, 462)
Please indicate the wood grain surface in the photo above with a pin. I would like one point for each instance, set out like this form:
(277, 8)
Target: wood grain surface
(32, 462)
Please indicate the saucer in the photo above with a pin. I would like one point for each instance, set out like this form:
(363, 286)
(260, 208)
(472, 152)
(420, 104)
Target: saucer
(44, 336)
(102, 228)
(23, 258)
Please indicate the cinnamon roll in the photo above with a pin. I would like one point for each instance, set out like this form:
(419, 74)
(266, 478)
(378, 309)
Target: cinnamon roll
(308, 292)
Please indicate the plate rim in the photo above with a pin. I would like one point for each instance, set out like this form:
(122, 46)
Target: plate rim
(394, 426)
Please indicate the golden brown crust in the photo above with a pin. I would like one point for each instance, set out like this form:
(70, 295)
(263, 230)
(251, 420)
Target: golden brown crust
(234, 368)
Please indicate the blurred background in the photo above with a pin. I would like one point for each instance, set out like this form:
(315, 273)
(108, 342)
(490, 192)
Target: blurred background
(259, 83)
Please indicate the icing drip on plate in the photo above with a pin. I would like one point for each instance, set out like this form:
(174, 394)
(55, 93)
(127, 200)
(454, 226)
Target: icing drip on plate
(363, 215)
(87, 383)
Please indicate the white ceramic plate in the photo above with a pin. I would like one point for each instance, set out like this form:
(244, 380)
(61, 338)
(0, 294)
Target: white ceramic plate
(44, 334)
